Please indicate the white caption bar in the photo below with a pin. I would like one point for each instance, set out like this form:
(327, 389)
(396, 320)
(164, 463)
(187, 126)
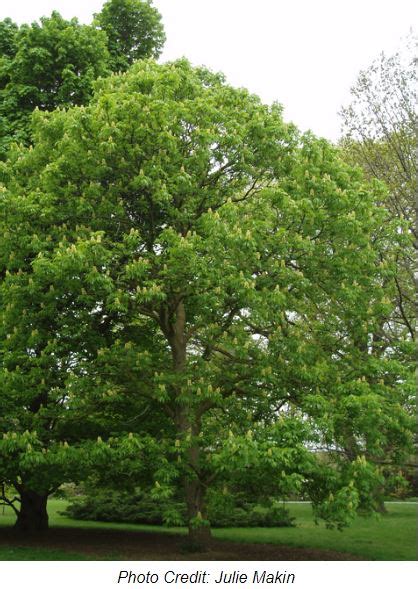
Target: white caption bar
(208, 575)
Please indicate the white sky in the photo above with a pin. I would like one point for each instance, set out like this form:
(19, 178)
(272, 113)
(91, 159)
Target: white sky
(303, 53)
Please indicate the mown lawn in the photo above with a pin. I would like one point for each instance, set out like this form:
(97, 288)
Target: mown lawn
(390, 537)
(25, 553)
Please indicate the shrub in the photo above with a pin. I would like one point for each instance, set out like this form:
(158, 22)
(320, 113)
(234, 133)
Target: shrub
(224, 510)
(115, 506)
(228, 510)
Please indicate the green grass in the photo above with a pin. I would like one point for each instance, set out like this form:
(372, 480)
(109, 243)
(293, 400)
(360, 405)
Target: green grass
(390, 537)
(56, 506)
(24, 553)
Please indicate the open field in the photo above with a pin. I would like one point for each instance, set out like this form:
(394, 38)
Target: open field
(391, 537)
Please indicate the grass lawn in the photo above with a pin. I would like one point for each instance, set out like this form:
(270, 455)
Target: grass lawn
(24, 553)
(391, 537)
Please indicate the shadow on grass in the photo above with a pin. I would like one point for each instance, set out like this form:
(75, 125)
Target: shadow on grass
(107, 544)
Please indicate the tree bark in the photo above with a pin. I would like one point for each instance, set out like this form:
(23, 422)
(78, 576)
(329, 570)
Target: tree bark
(188, 420)
(199, 528)
(194, 487)
(33, 515)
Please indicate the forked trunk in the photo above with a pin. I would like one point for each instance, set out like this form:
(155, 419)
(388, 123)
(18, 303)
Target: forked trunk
(33, 515)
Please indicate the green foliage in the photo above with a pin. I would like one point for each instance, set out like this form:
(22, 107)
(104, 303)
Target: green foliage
(29, 460)
(8, 38)
(129, 507)
(45, 66)
(379, 125)
(53, 63)
(224, 510)
(379, 134)
(134, 31)
(240, 510)
(180, 263)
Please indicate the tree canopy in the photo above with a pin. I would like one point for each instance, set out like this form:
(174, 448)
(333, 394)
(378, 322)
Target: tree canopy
(183, 271)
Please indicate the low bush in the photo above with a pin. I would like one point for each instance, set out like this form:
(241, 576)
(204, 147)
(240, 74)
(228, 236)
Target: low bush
(224, 510)
(227, 510)
(115, 506)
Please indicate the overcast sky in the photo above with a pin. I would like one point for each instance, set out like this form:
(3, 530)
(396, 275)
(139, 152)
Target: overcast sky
(304, 54)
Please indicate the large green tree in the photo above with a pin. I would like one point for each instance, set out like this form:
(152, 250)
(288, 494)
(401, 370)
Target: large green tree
(175, 250)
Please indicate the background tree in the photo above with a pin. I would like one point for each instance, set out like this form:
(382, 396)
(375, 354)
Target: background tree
(379, 134)
(379, 125)
(53, 64)
(200, 257)
(8, 32)
(134, 31)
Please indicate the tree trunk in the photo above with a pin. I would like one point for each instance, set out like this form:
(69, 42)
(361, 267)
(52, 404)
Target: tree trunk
(188, 420)
(380, 506)
(199, 527)
(33, 516)
(195, 489)
(379, 499)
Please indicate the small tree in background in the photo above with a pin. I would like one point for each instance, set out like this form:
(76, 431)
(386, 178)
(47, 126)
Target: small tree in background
(54, 63)
(134, 31)
(379, 134)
